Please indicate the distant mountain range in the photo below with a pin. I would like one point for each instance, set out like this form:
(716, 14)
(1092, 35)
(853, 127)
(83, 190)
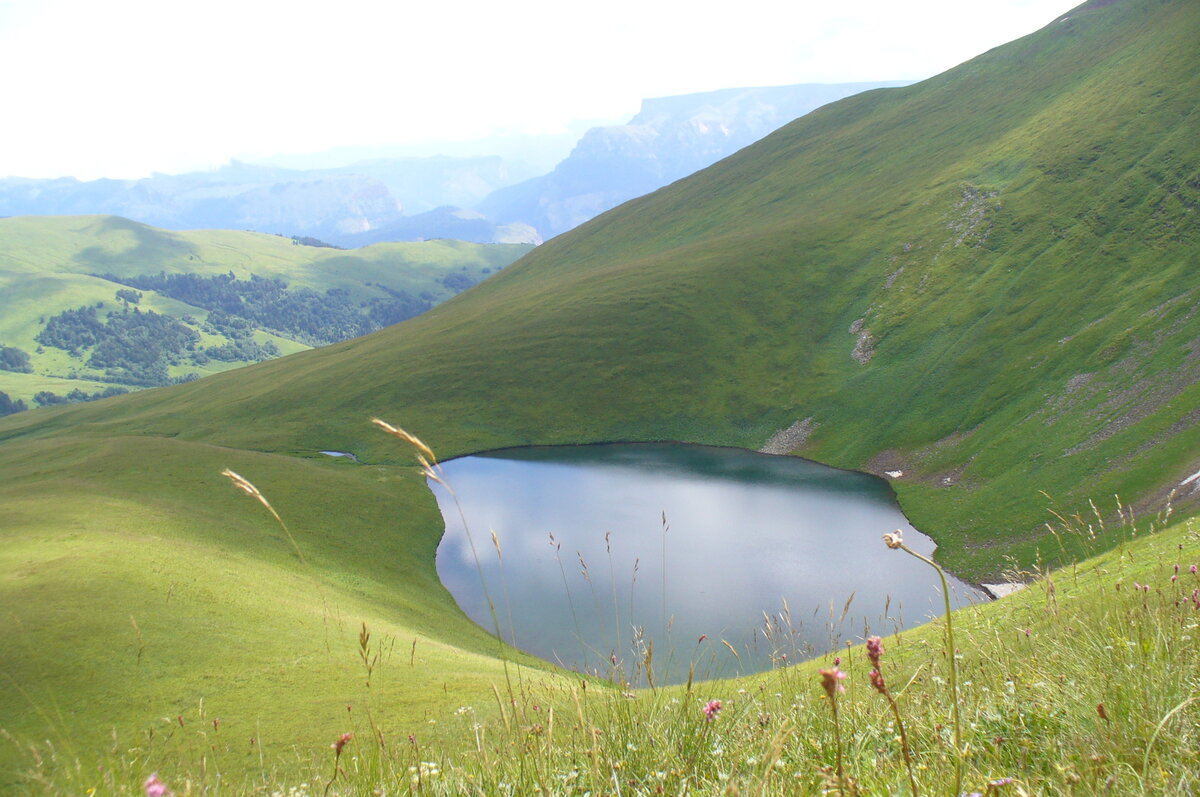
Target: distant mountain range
(671, 138)
(478, 199)
(331, 204)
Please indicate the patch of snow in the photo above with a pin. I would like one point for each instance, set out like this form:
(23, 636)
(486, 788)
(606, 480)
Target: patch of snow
(893, 474)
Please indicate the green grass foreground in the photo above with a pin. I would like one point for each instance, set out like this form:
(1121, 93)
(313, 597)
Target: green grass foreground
(1086, 682)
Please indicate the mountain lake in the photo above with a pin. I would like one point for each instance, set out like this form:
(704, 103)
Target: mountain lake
(720, 561)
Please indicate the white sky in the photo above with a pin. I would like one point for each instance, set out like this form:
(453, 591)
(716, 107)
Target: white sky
(120, 88)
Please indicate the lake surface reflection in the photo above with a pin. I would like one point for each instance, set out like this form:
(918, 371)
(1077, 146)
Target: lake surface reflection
(759, 551)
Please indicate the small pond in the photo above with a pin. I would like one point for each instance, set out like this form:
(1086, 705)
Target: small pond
(607, 549)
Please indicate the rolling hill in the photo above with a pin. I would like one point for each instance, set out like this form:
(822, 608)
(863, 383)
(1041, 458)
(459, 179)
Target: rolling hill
(985, 281)
(163, 306)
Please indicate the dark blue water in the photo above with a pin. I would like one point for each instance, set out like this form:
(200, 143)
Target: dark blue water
(757, 551)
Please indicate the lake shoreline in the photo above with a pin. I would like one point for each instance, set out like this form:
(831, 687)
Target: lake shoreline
(992, 590)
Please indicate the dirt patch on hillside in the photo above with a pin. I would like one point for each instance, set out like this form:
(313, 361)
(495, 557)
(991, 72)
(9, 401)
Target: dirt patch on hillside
(785, 441)
(914, 465)
(864, 346)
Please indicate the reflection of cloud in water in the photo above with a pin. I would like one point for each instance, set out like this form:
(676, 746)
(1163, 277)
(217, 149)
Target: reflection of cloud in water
(747, 532)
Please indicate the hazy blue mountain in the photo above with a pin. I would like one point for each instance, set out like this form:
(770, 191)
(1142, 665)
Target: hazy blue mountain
(426, 183)
(332, 204)
(444, 222)
(539, 152)
(238, 196)
(669, 139)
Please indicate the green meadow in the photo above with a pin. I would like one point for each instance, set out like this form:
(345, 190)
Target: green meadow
(984, 281)
(49, 264)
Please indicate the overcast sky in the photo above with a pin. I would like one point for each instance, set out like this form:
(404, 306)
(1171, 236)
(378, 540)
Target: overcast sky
(121, 88)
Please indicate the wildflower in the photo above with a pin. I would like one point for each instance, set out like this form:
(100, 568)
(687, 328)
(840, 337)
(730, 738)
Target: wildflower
(705, 636)
(155, 787)
(837, 661)
(1192, 570)
(893, 540)
(341, 742)
(875, 650)
(711, 710)
(877, 681)
(831, 681)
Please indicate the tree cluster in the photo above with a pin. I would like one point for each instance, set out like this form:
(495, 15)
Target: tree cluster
(308, 240)
(45, 398)
(136, 347)
(268, 303)
(14, 359)
(8, 405)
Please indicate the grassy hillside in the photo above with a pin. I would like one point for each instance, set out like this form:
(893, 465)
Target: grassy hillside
(1012, 241)
(985, 280)
(159, 591)
(50, 264)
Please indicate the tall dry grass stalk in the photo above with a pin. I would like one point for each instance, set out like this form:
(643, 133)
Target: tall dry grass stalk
(243, 484)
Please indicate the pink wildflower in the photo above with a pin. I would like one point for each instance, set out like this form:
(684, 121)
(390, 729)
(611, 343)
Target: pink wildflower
(1192, 570)
(831, 681)
(702, 638)
(155, 787)
(875, 650)
(341, 742)
(877, 681)
(711, 710)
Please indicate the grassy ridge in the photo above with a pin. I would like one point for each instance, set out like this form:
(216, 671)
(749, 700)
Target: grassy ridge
(49, 264)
